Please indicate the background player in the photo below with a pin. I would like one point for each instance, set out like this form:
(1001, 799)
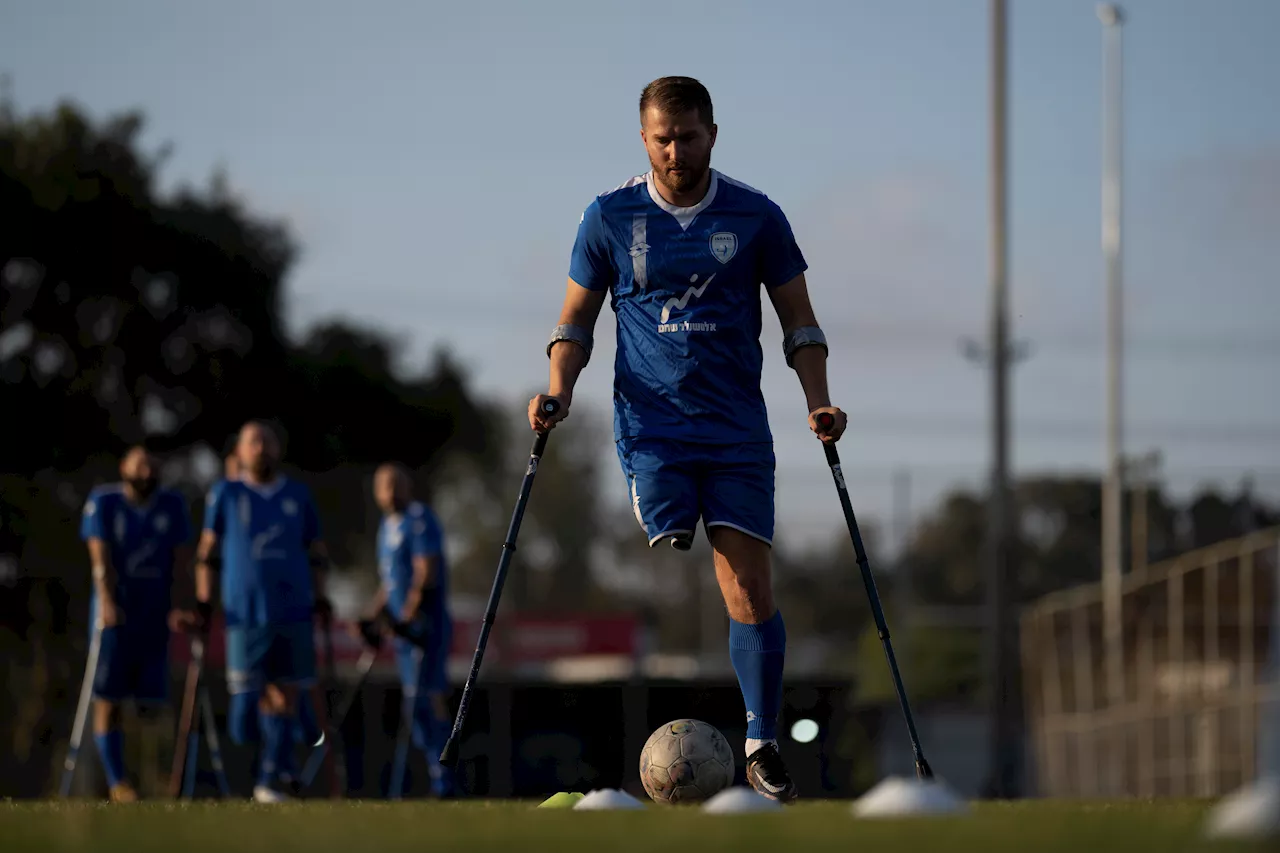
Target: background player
(414, 587)
(137, 533)
(684, 251)
(267, 531)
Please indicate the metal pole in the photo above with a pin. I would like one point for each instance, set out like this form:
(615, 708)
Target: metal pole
(1112, 494)
(1269, 766)
(901, 490)
(1003, 779)
(1143, 471)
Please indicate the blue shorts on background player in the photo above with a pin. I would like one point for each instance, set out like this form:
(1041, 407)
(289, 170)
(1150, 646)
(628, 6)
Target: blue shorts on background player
(136, 534)
(267, 530)
(414, 589)
(682, 253)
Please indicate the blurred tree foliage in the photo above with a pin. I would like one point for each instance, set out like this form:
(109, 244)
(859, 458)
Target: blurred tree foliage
(128, 316)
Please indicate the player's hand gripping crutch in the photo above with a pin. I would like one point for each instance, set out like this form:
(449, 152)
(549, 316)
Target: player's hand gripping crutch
(825, 421)
(449, 755)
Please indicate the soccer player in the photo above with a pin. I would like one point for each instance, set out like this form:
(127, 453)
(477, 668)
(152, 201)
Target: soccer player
(267, 532)
(414, 588)
(137, 534)
(307, 729)
(682, 252)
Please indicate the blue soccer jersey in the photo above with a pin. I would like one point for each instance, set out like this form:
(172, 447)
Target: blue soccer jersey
(141, 541)
(414, 533)
(685, 285)
(265, 533)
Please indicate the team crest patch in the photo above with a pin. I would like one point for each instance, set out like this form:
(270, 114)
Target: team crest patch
(289, 506)
(161, 523)
(724, 245)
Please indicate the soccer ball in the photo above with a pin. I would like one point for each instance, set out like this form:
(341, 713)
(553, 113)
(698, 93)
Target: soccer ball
(685, 761)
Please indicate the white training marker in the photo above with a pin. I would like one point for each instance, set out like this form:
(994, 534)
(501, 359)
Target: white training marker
(740, 801)
(898, 797)
(1252, 813)
(603, 799)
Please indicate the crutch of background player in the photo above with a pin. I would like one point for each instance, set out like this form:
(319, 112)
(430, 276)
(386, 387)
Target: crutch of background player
(264, 531)
(414, 589)
(136, 533)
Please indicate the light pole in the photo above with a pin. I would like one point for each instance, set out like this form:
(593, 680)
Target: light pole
(1002, 658)
(1112, 499)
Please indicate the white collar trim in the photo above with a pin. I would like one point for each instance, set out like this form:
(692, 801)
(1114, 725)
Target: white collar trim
(267, 490)
(683, 215)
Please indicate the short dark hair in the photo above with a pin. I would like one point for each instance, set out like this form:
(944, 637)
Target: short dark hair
(675, 95)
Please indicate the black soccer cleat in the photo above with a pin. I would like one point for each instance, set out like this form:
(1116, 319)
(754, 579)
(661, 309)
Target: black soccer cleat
(768, 775)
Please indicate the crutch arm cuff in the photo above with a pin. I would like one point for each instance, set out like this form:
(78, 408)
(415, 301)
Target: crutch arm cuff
(805, 336)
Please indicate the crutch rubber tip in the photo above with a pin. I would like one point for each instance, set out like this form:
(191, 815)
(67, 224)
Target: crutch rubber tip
(449, 755)
(923, 770)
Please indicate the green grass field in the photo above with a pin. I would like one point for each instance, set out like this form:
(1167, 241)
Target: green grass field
(356, 827)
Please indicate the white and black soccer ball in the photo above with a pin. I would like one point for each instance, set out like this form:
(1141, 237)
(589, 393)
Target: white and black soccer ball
(685, 761)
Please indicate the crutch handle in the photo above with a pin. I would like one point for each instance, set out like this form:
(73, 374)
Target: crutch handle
(825, 421)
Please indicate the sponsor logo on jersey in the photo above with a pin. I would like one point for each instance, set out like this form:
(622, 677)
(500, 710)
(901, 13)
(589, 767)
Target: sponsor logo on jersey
(680, 303)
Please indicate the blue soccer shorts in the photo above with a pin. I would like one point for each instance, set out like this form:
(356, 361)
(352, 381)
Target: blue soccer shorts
(132, 664)
(282, 654)
(423, 665)
(674, 484)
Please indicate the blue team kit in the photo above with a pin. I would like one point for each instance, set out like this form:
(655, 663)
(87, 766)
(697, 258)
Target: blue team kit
(689, 416)
(133, 658)
(267, 596)
(422, 660)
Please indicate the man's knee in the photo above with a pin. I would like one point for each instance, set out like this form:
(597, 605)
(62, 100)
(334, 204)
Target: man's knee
(743, 568)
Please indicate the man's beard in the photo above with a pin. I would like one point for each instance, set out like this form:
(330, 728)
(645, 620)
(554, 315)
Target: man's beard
(143, 487)
(264, 470)
(688, 178)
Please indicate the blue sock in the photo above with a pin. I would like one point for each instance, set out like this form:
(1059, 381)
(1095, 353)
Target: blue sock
(436, 731)
(757, 652)
(111, 749)
(277, 747)
(242, 721)
(307, 731)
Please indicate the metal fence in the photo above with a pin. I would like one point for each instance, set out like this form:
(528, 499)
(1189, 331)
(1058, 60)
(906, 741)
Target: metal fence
(1201, 648)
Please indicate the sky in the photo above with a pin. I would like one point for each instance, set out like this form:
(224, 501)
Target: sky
(434, 159)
